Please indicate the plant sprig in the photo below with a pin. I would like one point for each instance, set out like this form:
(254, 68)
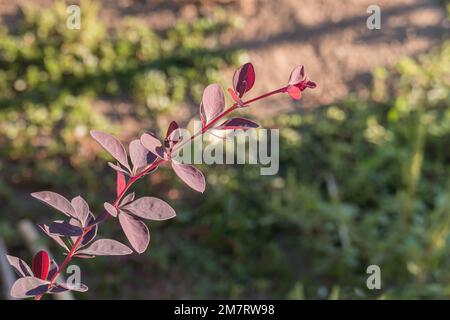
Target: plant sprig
(77, 235)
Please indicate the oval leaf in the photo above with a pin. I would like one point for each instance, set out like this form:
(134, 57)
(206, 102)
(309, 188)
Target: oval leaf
(173, 136)
(173, 131)
(56, 201)
(294, 92)
(92, 233)
(113, 146)
(20, 267)
(106, 247)
(127, 199)
(140, 156)
(244, 79)
(213, 101)
(81, 209)
(297, 75)
(28, 287)
(190, 175)
(237, 124)
(152, 144)
(235, 98)
(110, 209)
(65, 229)
(84, 256)
(150, 208)
(118, 168)
(136, 231)
(41, 265)
(46, 229)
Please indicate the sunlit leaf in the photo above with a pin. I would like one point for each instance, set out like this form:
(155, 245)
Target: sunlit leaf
(118, 168)
(213, 102)
(150, 208)
(28, 287)
(81, 209)
(20, 267)
(297, 75)
(140, 156)
(56, 201)
(190, 175)
(106, 247)
(113, 146)
(152, 144)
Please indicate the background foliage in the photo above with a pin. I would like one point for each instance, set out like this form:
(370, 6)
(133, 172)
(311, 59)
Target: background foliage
(361, 182)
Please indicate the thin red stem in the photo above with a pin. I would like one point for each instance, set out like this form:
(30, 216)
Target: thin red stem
(152, 166)
(268, 94)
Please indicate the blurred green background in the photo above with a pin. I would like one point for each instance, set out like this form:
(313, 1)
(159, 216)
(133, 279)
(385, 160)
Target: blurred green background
(363, 180)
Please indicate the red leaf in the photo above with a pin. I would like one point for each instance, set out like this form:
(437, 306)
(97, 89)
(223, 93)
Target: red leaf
(244, 79)
(235, 97)
(311, 84)
(190, 175)
(41, 265)
(173, 135)
(294, 92)
(110, 209)
(237, 124)
(46, 229)
(127, 199)
(121, 182)
(171, 130)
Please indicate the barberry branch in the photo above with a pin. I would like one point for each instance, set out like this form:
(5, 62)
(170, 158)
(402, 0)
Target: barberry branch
(82, 223)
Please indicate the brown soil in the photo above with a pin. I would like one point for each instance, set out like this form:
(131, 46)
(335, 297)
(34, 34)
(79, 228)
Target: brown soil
(329, 37)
